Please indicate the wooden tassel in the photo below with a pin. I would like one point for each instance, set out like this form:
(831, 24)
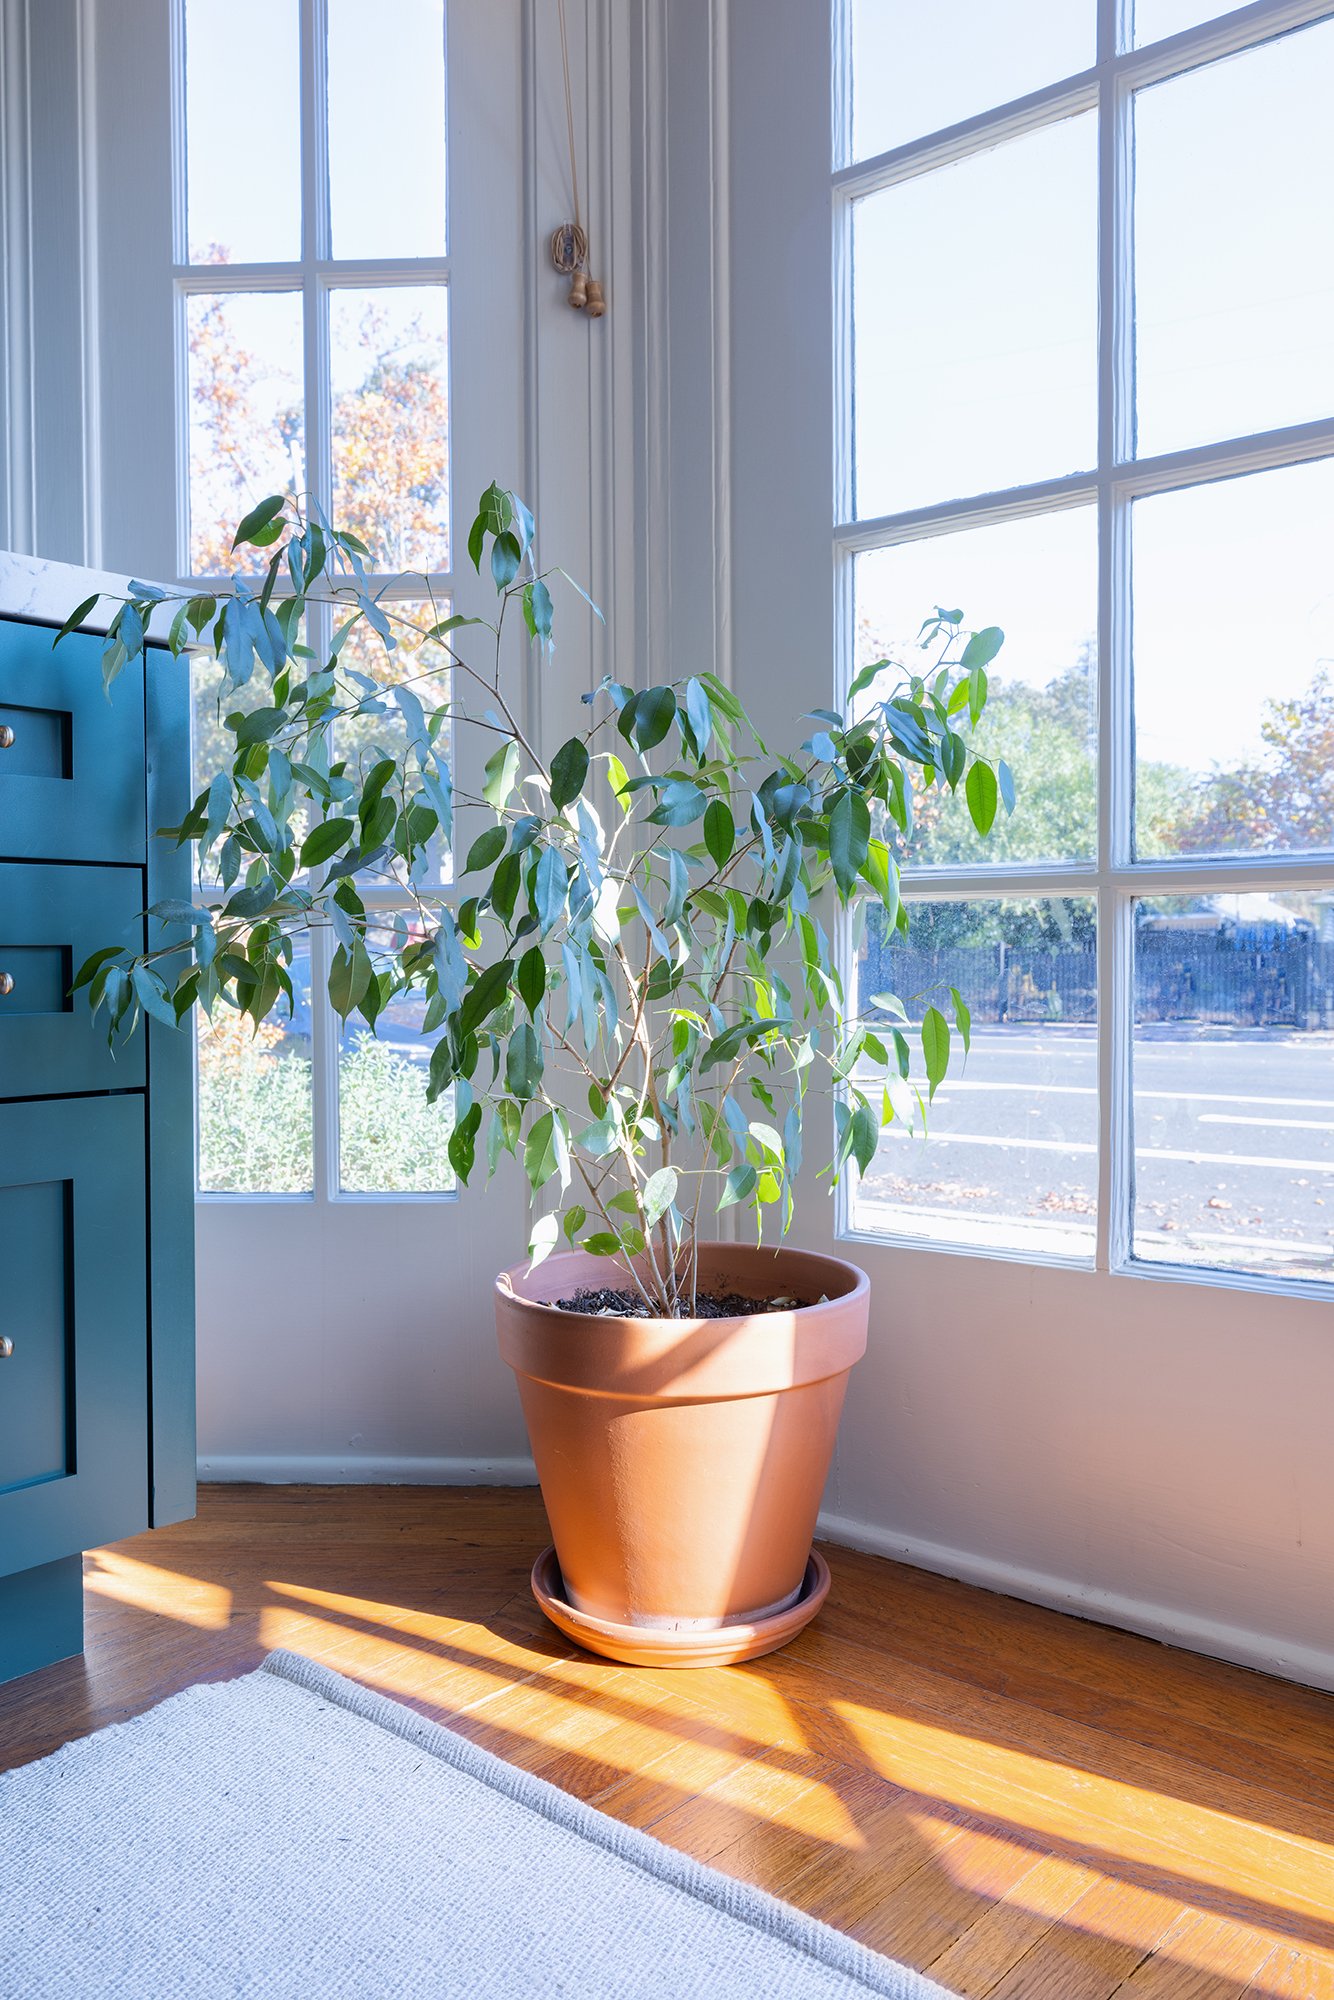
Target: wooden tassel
(578, 293)
(596, 302)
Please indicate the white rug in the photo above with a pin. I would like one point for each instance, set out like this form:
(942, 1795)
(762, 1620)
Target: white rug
(289, 1834)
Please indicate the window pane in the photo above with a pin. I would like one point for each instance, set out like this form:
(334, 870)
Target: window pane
(1234, 245)
(917, 68)
(242, 53)
(391, 423)
(975, 323)
(247, 428)
(254, 1097)
(424, 668)
(1234, 633)
(1234, 1089)
(1010, 1160)
(387, 128)
(391, 1141)
(1156, 18)
(1037, 579)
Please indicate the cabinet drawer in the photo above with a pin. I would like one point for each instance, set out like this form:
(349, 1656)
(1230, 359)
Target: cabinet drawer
(51, 919)
(74, 1317)
(72, 779)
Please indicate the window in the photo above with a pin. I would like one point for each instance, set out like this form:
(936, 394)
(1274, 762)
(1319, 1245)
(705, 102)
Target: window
(313, 303)
(1084, 300)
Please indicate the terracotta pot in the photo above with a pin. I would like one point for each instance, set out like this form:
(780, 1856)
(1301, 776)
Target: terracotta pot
(682, 1461)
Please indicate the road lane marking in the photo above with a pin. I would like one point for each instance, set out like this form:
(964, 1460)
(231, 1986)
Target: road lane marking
(957, 1083)
(1194, 1158)
(1273, 1124)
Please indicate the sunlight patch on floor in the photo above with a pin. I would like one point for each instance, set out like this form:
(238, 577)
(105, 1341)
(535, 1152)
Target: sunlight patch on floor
(1054, 1800)
(167, 1593)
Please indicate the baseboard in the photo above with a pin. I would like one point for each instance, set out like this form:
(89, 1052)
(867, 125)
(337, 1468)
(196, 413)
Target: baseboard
(354, 1470)
(1312, 1667)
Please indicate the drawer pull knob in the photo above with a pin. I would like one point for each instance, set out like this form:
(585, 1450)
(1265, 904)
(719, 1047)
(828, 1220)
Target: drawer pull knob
(6, 1347)
(6, 984)
(6, 737)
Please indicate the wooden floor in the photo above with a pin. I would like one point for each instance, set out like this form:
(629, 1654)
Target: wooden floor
(1024, 1804)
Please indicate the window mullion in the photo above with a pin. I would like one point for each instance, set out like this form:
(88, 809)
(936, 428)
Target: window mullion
(324, 1066)
(1115, 408)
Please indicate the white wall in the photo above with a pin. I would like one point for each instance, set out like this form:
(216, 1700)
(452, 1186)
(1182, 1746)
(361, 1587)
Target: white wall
(1152, 1452)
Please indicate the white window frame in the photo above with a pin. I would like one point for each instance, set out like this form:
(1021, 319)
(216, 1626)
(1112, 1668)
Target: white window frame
(1114, 880)
(314, 275)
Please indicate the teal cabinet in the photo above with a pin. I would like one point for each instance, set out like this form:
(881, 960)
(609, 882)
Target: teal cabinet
(51, 920)
(96, 1148)
(74, 1370)
(72, 765)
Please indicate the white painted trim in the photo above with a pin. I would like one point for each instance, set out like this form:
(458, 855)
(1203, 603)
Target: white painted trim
(17, 498)
(1268, 1655)
(355, 1470)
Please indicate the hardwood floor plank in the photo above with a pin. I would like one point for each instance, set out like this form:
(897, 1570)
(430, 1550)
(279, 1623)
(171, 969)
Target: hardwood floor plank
(1202, 1957)
(999, 1937)
(1020, 1802)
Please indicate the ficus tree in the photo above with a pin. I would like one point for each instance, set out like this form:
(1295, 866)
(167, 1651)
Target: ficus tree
(632, 988)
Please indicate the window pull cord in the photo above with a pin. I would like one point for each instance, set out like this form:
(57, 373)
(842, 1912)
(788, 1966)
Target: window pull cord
(569, 242)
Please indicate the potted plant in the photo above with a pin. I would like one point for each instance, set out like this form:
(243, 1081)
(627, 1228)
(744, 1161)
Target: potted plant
(632, 993)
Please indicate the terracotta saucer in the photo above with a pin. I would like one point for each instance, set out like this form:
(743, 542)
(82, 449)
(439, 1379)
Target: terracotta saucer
(652, 1646)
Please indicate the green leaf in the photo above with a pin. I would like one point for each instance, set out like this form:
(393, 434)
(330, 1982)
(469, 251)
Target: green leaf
(537, 609)
(506, 555)
(463, 1142)
(550, 888)
(523, 1063)
(849, 838)
(505, 886)
(981, 793)
(681, 802)
(1005, 781)
(349, 976)
(324, 840)
(618, 778)
(601, 1244)
(963, 1019)
(982, 648)
(498, 778)
(259, 518)
(545, 1237)
(865, 1137)
(659, 1194)
(935, 1047)
(152, 996)
(487, 847)
(569, 768)
(531, 979)
(539, 1151)
(719, 832)
(740, 1184)
(76, 617)
(575, 1218)
(94, 964)
(699, 713)
(486, 995)
(252, 902)
(864, 679)
(654, 713)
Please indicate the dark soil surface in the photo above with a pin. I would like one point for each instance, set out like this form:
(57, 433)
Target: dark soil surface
(613, 1304)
